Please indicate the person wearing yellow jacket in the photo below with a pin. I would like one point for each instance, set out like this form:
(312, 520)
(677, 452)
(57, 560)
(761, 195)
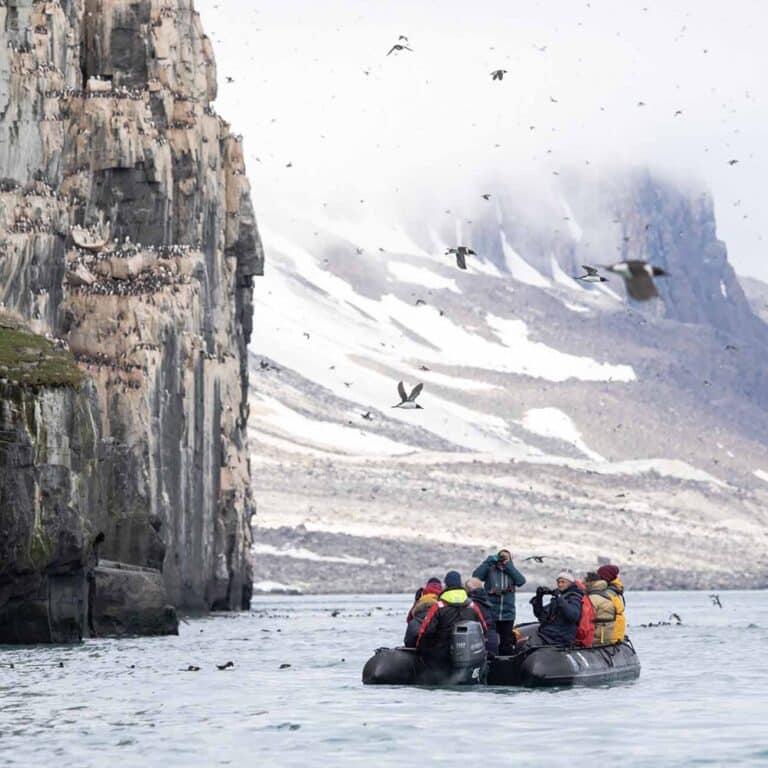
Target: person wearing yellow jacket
(610, 573)
(605, 610)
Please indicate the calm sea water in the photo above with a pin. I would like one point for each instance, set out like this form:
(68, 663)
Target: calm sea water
(702, 698)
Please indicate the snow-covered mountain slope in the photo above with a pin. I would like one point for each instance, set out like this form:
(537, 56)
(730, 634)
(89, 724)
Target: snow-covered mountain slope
(557, 417)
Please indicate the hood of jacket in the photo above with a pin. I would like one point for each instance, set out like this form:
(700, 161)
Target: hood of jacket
(598, 586)
(456, 596)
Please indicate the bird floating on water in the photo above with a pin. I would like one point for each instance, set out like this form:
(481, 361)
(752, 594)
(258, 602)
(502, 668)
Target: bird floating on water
(408, 401)
(638, 277)
(461, 252)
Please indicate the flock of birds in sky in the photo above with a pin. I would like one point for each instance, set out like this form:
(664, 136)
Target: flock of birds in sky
(638, 275)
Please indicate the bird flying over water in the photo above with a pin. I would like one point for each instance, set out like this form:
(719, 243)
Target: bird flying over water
(461, 252)
(397, 47)
(590, 275)
(638, 277)
(716, 600)
(498, 74)
(535, 558)
(408, 401)
(675, 617)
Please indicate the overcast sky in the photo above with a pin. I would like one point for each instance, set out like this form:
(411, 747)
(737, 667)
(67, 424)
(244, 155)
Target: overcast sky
(313, 87)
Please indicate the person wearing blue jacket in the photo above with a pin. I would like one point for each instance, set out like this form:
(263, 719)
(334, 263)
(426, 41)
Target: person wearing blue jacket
(559, 619)
(501, 579)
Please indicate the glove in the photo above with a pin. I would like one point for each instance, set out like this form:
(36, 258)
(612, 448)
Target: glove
(543, 591)
(555, 592)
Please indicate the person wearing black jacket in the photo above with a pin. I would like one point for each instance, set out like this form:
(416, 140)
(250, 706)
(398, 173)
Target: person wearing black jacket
(559, 619)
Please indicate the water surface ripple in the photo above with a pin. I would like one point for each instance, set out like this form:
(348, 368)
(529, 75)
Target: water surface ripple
(701, 698)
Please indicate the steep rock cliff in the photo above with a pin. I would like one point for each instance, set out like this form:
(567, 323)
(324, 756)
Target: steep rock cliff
(126, 229)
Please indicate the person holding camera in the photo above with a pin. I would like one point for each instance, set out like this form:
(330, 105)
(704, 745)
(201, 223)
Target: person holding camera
(559, 619)
(501, 579)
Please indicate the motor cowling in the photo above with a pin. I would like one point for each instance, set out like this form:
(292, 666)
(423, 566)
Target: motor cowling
(468, 657)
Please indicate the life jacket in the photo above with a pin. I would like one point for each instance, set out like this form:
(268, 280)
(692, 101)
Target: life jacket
(616, 592)
(499, 582)
(605, 614)
(585, 632)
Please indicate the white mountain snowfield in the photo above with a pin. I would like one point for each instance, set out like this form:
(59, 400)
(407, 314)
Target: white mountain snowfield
(518, 427)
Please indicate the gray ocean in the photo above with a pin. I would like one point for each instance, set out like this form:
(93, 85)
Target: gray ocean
(702, 697)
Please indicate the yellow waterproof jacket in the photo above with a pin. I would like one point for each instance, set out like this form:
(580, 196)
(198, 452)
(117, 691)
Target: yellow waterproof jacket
(605, 612)
(616, 591)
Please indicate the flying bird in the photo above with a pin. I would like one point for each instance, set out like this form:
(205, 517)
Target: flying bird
(675, 617)
(399, 47)
(535, 558)
(498, 74)
(461, 252)
(226, 665)
(732, 162)
(486, 196)
(367, 416)
(408, 401)
(716, 600)
(230, 79)
(638, 277)
(590, 275)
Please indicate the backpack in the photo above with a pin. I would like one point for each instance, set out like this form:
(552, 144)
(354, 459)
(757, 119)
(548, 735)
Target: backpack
(585, 632)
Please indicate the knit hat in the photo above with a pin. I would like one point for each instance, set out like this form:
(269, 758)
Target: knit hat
(435, 580)
(567, 575)
(433, 587)
(453, 580)
(608, 572)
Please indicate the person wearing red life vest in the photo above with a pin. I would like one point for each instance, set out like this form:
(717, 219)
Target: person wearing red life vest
(425, 599)
(453, 606)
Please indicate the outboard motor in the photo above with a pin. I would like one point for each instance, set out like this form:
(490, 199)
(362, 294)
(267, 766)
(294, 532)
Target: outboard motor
(468, 657)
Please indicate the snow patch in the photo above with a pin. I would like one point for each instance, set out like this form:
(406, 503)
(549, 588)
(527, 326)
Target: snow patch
(723, 290)
(553, 423)
(267, 587)
(575, 307)
(536, 359)
(299, 553)
(408, 273)
(519, 268)
(325, 434)
(761, 475)
(573, 226)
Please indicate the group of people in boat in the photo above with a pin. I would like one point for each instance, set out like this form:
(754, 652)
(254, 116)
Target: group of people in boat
(578, 613)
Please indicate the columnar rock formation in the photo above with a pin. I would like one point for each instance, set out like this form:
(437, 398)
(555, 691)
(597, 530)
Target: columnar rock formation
(126, 230)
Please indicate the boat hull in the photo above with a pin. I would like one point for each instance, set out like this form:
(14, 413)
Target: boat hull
(548, 666)
(542, 666)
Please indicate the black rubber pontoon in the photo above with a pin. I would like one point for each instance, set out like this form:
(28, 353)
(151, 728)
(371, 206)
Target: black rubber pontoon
(538, 666)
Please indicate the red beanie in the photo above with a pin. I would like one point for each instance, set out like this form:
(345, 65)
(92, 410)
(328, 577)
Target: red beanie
(433, 587)
(608, 572)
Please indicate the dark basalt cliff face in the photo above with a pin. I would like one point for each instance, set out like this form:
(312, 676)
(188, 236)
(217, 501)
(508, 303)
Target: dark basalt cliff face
(126, 231)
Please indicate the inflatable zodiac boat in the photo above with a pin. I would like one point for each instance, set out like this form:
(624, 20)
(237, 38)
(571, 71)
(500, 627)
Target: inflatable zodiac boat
(533, 667)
